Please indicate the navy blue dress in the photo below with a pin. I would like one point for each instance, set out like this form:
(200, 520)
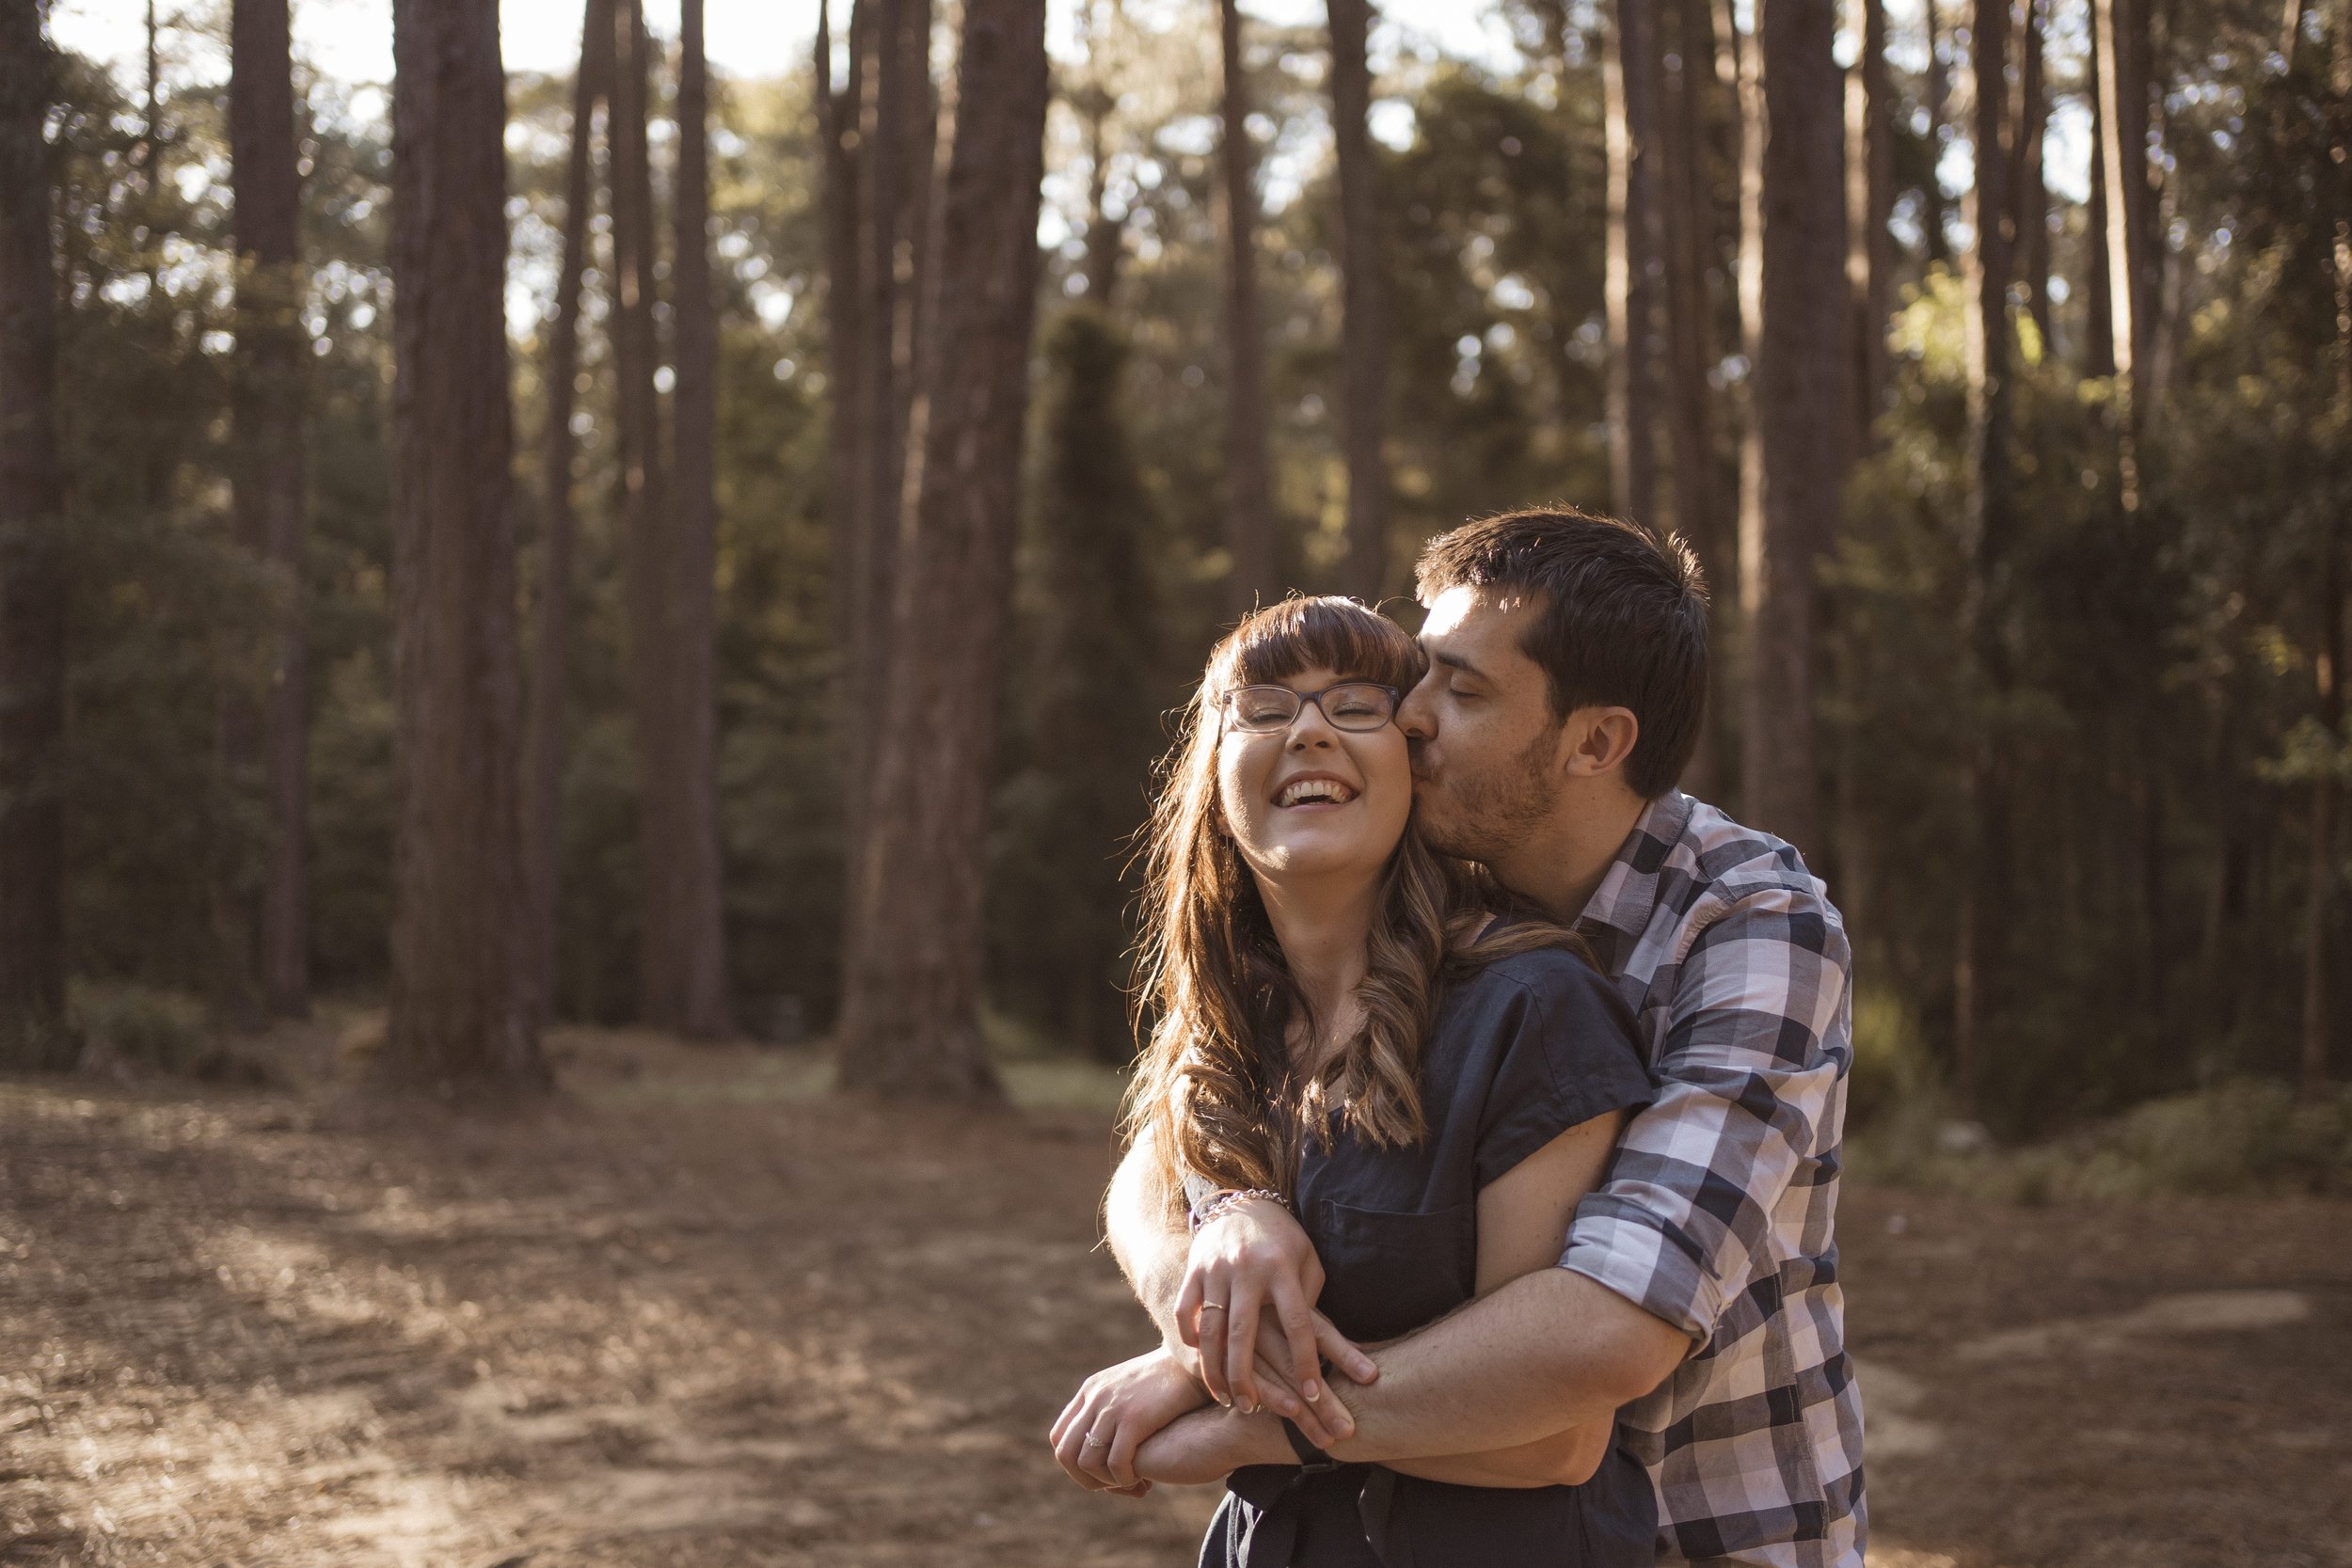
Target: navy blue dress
(1523, 1049)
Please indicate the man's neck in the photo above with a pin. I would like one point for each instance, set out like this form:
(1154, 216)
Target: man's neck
(1323, 925)
(1560, 865)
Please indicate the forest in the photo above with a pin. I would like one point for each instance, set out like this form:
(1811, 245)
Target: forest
(720, 553)
(582, 650)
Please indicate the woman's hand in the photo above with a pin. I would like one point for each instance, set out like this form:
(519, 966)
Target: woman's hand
(1254, 1257)
(1113, 1412)
(1209, 1445)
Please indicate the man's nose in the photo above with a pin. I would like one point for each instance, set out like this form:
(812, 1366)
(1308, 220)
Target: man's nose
(1417, 715)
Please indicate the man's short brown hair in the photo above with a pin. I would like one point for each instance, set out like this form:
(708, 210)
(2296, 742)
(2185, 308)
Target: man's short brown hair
(1621, 620)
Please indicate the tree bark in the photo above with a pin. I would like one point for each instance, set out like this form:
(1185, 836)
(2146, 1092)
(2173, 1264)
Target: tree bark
(1936, 89)
(2327, 662)
(1801, 393)
(32, 566)
(1631, 77)
(543, 727)
(2029, 190)
(1691, 347)
(2123, 148)
(909, 1023)
(701, 934)
(1106, 235)
(1870, 200)
(896, 137)
(648, 528)
(1977, 963)
(272, 349)
(1248, 475)
(1365, 304)
(2098, 289)
(1747, 65)
(839, 116)
(460, 1013)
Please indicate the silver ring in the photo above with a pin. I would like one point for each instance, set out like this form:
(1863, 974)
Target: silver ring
(1090, 1441)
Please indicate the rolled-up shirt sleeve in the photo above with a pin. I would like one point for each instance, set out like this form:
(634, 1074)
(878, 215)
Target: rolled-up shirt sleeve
(1749, 1065)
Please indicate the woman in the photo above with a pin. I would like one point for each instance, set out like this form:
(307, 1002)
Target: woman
(1349, 1026)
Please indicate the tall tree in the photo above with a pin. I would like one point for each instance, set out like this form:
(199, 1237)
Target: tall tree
(272, 349)
(1633, 82)
(1691, 249)
(1096, 100)
(2328, 660)
(2098, 298)
(1743, 61)
(1869, 202)
(1249, 472)
(897, 130)
(910, 1021)
(460, 1009)
(543, 726)
(2028, 187)
(649, 545)
(1936, 89)
(32, 565)
(2119, 28)
(1365, 304)
(838, 122)
(1990, 503)
(699, 1009)
(1800, 395)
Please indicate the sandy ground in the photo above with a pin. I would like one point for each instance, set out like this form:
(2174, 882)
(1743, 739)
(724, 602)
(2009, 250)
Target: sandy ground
(699, 1313)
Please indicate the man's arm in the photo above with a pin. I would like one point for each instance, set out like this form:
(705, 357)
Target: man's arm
(1148, 1238)
(1753, 1067)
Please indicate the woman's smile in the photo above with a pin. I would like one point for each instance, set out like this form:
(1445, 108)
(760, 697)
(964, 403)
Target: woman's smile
(1314, 792)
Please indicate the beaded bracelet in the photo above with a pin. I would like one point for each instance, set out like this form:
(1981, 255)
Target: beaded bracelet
(1226, 1199)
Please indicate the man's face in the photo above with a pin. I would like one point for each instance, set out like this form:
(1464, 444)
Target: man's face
(1486, 744)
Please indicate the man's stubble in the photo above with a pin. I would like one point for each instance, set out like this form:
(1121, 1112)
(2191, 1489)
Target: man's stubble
(1484, 815)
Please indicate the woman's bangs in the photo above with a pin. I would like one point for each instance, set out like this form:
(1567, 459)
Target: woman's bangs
(1330, 633)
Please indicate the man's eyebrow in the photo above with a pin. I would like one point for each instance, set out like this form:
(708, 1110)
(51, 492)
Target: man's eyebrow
(1456, 661)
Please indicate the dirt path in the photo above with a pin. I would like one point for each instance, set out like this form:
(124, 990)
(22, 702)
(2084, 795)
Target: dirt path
(695, 1316)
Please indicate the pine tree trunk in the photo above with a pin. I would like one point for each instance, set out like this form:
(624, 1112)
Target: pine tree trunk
(1978, 963)
(2327, 662)
(701, 934)
(32, 566)
(1747, 63)
(896, 129)
(272, 349)
(1249, 479)
(1365, 302)
(2123, 148)
(1801, 396)
(838, 119)
(543, 727)
(2028, 188)
(909, 1023)
(1630, 76)
(1690, 350)
(460, 1013)
(1936, 89)
(2098, 289)
(1870, 200)
(648, 530)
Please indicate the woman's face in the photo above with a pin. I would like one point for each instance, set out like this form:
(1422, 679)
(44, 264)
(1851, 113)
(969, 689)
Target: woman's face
(1313, 800)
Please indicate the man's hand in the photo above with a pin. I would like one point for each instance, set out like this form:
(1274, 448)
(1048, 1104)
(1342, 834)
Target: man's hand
(1252, 1276)
(1114, 1413)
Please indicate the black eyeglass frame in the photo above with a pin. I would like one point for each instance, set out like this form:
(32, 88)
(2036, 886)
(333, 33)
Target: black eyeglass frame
(1299, 705)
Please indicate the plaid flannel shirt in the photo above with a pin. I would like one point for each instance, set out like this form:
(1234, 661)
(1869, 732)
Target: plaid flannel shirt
(1718, 1211)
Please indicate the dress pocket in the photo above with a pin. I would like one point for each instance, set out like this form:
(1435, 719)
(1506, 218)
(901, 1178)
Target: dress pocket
(1387, 1274)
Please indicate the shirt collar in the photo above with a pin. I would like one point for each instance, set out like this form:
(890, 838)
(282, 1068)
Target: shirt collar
(1628, 889)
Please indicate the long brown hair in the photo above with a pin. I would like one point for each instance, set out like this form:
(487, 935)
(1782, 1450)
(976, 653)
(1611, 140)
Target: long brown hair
(1212, 1089)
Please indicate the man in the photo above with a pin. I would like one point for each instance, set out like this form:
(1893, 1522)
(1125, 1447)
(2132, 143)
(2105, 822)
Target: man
(1698, 1288)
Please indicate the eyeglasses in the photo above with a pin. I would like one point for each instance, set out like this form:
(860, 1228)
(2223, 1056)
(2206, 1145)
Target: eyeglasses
(1348, 706)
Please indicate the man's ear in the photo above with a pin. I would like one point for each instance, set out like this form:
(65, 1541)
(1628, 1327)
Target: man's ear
(1600, 741)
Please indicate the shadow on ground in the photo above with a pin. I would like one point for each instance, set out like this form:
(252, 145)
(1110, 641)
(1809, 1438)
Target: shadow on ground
(701, 1313)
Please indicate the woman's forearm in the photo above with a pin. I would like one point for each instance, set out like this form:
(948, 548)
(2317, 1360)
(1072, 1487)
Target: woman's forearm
(1563, 1458)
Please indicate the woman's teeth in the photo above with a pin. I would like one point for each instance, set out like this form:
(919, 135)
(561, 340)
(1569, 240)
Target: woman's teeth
(1314, 789)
